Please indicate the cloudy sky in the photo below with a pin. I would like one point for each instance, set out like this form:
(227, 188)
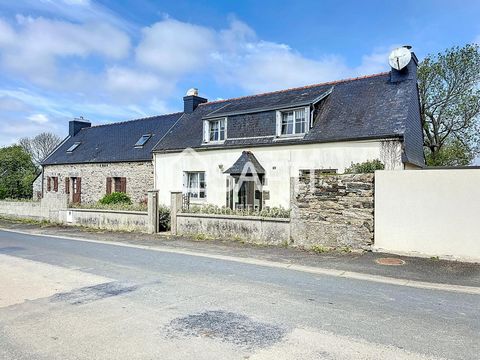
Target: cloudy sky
(118, 60)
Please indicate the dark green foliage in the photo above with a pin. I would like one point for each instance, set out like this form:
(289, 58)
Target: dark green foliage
(116, 198)
(17, 173)
(450, 105)
(164, 218)
(366, 167)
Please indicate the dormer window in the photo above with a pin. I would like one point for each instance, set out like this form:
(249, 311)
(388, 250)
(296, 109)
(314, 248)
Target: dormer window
(143, 140)
(215, 130)
(73, 147)
(293, 122)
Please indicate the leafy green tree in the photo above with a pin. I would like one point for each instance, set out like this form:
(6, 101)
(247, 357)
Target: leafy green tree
(17, 173)
(450, 105)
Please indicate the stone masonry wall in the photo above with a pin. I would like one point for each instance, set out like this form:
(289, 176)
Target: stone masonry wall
(139, 177)
(333, 211)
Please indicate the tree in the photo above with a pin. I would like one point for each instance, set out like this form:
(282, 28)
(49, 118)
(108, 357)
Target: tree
(17, 173)
(40, 146)
(450, 105)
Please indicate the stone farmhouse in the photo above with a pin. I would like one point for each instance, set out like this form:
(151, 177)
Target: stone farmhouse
(243, 152)
(97, 160)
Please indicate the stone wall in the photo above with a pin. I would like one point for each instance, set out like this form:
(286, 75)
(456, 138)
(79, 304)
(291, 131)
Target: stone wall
(45, 209)
(139, 177)
(333, 211)
(242, 228)
(106, 219)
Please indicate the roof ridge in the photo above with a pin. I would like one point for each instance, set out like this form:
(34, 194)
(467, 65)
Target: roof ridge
(132, 120)
(298, 88)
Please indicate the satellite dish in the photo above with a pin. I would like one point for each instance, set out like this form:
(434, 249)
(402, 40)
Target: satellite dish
(399, 58)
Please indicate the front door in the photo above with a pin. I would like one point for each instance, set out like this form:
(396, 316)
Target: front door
(76, 190)
(249, 196)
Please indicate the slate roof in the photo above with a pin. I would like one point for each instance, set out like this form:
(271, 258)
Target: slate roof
(246, 159)
(114, 142)
(372, 107)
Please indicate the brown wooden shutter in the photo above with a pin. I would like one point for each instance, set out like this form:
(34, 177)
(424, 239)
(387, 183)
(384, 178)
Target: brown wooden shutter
(49, 184)
(123, 185)
(55, 184)
(109, 185)
(79, 189)
(67, 185)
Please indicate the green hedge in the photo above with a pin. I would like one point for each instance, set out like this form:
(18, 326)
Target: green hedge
(273, 212)
(366, 167)
(116, 198)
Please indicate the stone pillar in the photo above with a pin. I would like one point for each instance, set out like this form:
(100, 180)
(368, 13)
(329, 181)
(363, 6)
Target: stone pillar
(152, 211)
(175, 207)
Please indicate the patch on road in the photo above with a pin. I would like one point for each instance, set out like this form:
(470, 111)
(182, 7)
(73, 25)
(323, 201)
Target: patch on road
(390, 261)
(230, 327)
(93, 293)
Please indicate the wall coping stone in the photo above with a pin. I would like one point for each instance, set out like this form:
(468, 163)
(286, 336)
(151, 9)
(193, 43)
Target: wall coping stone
(234, 217)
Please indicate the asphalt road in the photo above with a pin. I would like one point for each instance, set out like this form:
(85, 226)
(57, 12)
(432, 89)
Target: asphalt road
(65, 299)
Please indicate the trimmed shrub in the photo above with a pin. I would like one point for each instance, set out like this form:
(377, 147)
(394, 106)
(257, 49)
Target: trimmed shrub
(273, 212)
(366, 167)
(116, 198)
(164, 218)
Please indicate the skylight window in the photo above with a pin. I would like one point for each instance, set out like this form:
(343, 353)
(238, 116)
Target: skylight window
(143, 140)
(73, 147)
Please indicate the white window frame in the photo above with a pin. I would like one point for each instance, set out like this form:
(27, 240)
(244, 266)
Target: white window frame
(196, 191)
(207, 126)
(279, 118)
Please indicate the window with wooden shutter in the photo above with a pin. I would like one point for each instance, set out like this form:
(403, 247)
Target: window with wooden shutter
(109, 185)
(55, 184)
(67, 185)
(49, 184)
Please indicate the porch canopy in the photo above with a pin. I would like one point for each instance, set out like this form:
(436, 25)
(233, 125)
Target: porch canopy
(246, 164)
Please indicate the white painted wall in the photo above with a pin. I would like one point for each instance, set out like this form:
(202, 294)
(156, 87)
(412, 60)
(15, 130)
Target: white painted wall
(280, 163)
(430, 212)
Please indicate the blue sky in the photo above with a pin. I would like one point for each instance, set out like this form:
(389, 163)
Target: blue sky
(118, 60)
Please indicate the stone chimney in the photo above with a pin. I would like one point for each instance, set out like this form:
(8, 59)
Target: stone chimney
(191, 100)
(76, 125)
(409, 72)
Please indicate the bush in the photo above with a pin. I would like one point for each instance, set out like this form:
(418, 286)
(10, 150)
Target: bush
(366, 167)
(116, 198)
(164, 218)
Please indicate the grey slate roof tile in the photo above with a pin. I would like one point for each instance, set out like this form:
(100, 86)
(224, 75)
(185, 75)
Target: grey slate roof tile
(114, 142)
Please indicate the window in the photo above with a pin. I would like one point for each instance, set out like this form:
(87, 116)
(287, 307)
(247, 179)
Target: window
(195, 185)
(215, 130)
(117, 184)
(73, 147)
(143, 140)
(292, 122)
(52, 183)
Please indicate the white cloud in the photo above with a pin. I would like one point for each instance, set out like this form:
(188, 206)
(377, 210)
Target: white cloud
(38, 44)
(236, 56)
(174, 48)
(38, 118)
(121, 79)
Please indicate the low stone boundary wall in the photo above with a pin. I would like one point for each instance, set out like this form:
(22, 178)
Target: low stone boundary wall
(272, 231)
(106, 219)
(45, 209)
(21, 209)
